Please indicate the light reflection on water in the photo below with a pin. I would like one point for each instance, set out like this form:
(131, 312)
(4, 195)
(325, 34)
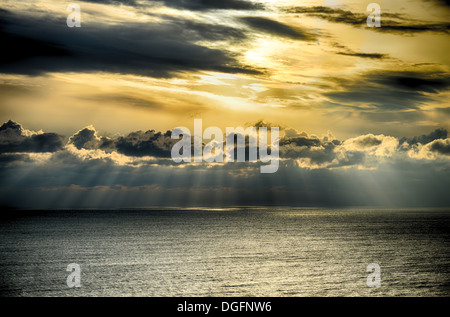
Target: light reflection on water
(227, 252)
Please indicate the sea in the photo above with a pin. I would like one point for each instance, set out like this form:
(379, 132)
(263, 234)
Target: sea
(242, 251)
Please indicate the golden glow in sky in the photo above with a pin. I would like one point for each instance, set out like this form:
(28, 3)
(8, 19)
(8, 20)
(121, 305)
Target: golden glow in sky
(305, 64)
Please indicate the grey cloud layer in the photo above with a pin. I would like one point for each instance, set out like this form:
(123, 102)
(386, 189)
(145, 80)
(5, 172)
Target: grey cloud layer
(194, 5)
(39, 44)
(34, 45)
(277, 28)
(441, 147)
(84, 170)
(67, 181)
(426, 138)
(138, 144)
(13, 139)
(391, 22)
(390, 90)
(312, 151)
(214, 4)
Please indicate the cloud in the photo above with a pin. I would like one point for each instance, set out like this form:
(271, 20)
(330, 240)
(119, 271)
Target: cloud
(115, 2)
(193, 5)
(308, 150)
(6, 158)
(440, 146)
(365, 151)
(202, 5)
(430, 83)
(277, 28)
(377, 145)
(152, 49)
(440, 133)
(13, 138)
(70, 182)
(437, 149)
(140, 148)
(200, 31)
(135, 144)
(430, 146)
(367, 141)
(389, 90)
(149, 143)
(330, 14)
(87, 138)
(135, 149)
(348, 52)
(135, 170)
(15, 48)
(263, 124)
(363, 55)
(391, 22)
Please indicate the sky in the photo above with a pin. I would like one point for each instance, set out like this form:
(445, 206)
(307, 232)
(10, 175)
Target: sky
(87, 113)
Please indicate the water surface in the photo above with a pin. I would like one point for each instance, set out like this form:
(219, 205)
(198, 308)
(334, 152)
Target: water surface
(230, 252)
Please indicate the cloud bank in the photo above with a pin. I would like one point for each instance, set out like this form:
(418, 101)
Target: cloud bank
(309, 151)
(93, 170)
(151, 49)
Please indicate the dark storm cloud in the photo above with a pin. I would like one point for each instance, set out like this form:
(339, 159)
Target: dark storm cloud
(417, 82)
(389, 90)
(363, 55)
(82, 138)
(194, 5)
(318, 151)
(440, 2)
(13, 139)
(16, 48)
(149, 143)
(391, 22)
(202, 5)
(209, 32)
(437, 134)
(420, 82)
(152, 49)
(414, 28)
(441, 147)
(331, 14)
(87, 139)
(277, 28)
(137, 144)
(303, 140)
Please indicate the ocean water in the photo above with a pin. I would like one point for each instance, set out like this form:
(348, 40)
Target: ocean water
(228, 252)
